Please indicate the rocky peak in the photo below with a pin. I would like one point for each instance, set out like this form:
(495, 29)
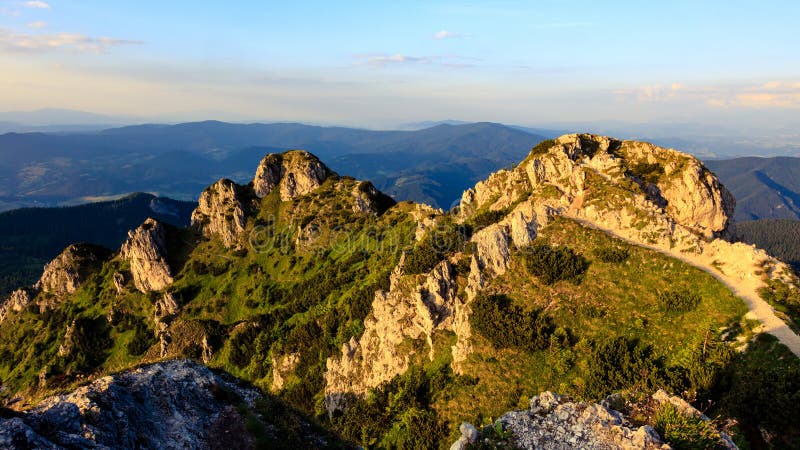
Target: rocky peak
(369, 200)
(174, 404)
(221, 212)
(16, 302)
(555, 422)
(146, 251)
(67, 271)
(295, 173)
(676, 184)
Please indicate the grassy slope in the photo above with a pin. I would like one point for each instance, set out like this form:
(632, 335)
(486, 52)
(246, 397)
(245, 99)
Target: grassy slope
(613, 299)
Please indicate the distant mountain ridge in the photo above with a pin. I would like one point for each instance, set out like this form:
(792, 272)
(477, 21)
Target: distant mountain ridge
(179, 160)
(30, 237)
(765, 188)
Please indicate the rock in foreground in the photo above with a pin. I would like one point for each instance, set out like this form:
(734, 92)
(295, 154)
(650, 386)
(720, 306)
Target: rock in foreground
(169, 405)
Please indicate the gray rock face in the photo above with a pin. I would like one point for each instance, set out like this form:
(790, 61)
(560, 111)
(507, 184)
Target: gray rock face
(220, 212)
(556, 422)
(169, 405)
(16, 302)
(146, 251)
(65, 274)
(294, 173)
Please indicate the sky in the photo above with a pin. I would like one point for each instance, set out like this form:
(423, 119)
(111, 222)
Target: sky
(383, 63)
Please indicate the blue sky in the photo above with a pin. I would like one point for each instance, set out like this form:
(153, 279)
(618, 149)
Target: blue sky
(374, 63)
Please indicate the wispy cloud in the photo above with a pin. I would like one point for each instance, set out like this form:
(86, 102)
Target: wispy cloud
(651, 93)
(9, 12)
(773, 94)
(74, 42)
(387, 60)
(37, 4)
(382, 60)
(444, 34)
(37, 25)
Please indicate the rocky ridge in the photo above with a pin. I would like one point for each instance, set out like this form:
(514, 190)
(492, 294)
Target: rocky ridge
(645, 194)
(60, 277)
(170, 405)
(70, 269)
(146, 252)
(294, 173)
(220, 212)
(557, 422)
(650, 196)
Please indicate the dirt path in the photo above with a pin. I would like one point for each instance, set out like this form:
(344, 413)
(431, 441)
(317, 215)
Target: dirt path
(746, 289)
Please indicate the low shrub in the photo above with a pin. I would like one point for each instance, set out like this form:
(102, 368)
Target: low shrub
(551, 264)
(685, 432)
(678, 301)
(647, 172)
(611, 254)
(543, 147)
(621, 363)
(509, 326)
(486, 218)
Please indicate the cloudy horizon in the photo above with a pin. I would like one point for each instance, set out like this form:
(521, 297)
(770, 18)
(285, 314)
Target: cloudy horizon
(732, 63)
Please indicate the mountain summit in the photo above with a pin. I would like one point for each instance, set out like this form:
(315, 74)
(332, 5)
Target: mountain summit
(597, 268)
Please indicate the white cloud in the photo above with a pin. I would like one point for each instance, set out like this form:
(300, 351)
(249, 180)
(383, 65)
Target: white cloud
(37, 4)
(773, 94)
(444, 34)
(383, 60)
(38, 43)
(37, 25)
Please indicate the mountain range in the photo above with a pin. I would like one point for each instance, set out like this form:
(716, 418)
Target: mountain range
(431, 165)
(587, 294)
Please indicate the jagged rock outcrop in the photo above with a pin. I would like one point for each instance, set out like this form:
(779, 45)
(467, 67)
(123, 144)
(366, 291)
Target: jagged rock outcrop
(146, 251)
(369, 200)
(282, 367)
(221, 212)
(557, 422)
(649, 195)
(70, 269)
(426, 217)
(174, 404)
(577, 166)
(16, 302)
(295, 173)
(409, 311)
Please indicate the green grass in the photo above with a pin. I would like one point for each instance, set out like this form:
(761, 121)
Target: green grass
(617, 299)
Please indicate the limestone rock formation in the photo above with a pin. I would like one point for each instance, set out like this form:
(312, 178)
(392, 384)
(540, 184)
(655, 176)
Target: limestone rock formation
(411, 310)
(281, 368)
(221, 212)
(556, 422)
(146, 251)
(676, 184)
(295, 173)
(369, 200)
(67, 271)
(16, 302)
(173, 404)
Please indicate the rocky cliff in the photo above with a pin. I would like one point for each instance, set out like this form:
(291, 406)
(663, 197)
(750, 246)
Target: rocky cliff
(645, 194)
(146, 252)
(70, 269)
(294, 173)
(221, 212)
(170, 405)
(558, 422)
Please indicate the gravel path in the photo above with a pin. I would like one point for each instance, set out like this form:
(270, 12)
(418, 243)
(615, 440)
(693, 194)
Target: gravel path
(746, 289)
